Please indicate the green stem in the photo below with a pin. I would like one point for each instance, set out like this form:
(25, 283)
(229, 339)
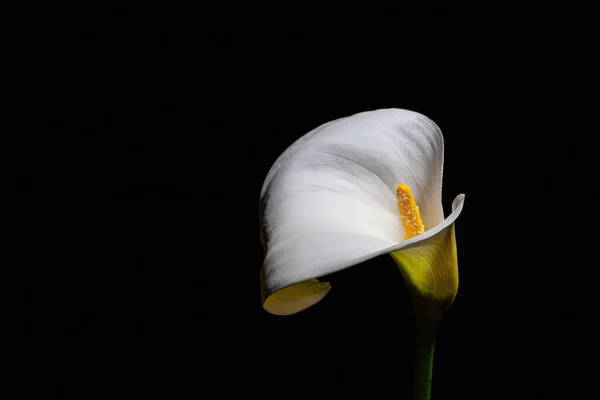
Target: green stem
(425, 343)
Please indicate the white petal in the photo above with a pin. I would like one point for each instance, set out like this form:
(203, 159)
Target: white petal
(329, 200)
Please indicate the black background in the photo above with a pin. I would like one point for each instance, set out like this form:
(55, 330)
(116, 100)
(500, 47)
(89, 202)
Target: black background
(144, 138)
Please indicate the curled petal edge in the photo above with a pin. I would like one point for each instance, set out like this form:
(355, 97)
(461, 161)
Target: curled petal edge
(413, 256)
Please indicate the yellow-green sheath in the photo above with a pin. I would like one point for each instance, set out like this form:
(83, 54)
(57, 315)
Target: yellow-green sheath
(430, 270)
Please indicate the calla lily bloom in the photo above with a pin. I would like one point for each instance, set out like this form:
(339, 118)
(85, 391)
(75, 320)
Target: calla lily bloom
(349, 191)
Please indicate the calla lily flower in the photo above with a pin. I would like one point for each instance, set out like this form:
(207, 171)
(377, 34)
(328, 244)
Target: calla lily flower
(349, 191)
(354, 189)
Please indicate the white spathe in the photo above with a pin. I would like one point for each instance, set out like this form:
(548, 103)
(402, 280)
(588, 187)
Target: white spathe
(329, 201)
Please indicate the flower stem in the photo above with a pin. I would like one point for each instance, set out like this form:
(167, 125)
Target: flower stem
(425, 343)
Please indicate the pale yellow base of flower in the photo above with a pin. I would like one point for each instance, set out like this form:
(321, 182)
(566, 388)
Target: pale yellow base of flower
(430, 270)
